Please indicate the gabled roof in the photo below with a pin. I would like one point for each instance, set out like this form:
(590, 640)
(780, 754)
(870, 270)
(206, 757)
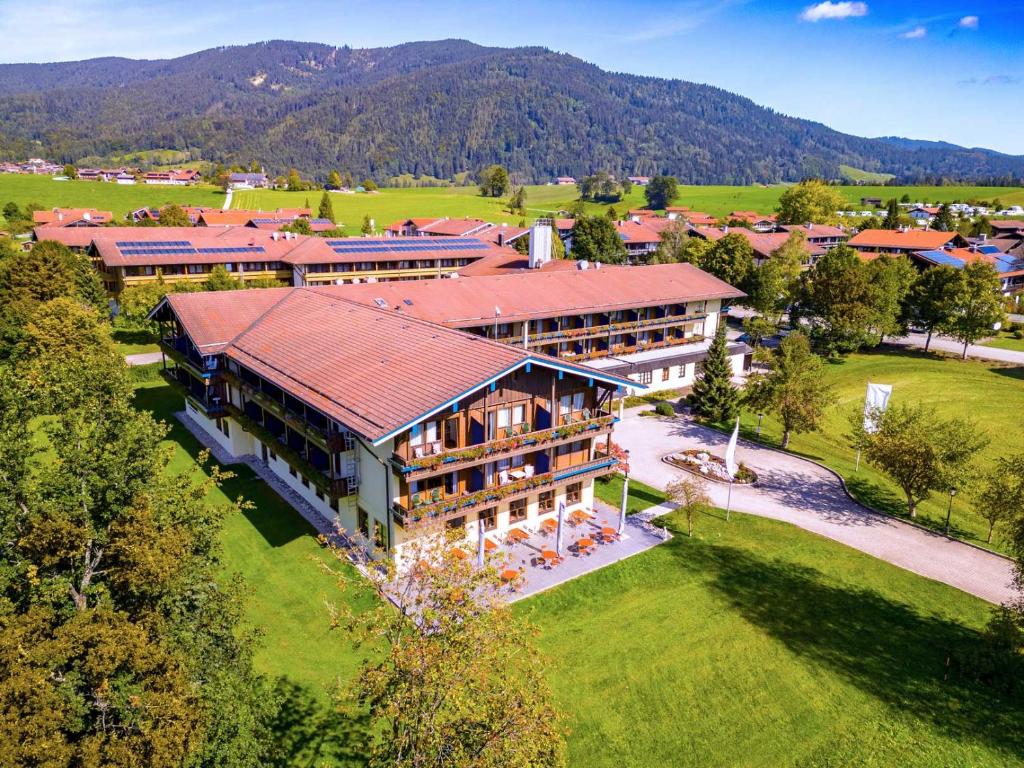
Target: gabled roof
(213, 324)
(816, 230)
(471, 301)
(908, 239)
(637, 232)
(375, 371)
(66, 216)
(350, 250)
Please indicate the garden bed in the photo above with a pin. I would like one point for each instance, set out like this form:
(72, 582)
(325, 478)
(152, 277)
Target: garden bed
(703, 464)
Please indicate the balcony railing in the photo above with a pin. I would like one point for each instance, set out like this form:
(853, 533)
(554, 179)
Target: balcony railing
(330, 440)
(624, 326)
(626, 349)
(177, 348)
(454, 506)
(451, 460)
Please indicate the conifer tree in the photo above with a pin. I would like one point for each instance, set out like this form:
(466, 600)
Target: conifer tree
(715, 397)
(326, 210)
(892, 215)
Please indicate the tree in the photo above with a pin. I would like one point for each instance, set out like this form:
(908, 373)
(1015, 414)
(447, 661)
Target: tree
(369, 185)
(661, 192)
(796, 387)
(944, 221)
(222, 280)
(905, 198)
(594, 238)
(136, 301)
(892, 215)
(1001, 495)
(458, 682)
(367, 227)
(295, 183)
(334, 180)
(838, 301)
(977, 305)
(714, 395)
(70, 171)
(494, 181)
(299, 226)
(731, 259)
(690, 494)
(981, 226)
(811, 201)
(517, 203)
(919, 451)
(671, 247)
(892, 278)
(600, 187)
(326, 210)
(173, 216)
(933, 297)
(772, 287)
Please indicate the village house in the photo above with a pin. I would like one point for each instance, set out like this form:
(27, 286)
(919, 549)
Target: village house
(564, 181)
(754, 220)
(248, 181)
(178, 178)
(72, 217)
(434, 227)
(341, 402)
(904, 240)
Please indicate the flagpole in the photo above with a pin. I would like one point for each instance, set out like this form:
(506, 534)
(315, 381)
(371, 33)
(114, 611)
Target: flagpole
(857, 468)
(728, 503)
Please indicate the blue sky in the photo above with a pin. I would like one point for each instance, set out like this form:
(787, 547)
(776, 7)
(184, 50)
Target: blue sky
(944, 69)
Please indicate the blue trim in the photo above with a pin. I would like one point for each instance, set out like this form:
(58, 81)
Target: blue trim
(561, 375)
(494, 385)
(574, 472)
(455, 408)
(590, 382)
(529, 367)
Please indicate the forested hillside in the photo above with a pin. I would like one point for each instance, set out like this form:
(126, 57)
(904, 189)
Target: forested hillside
(438, 108)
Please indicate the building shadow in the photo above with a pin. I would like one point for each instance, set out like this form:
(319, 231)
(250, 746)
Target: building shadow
(897, 655)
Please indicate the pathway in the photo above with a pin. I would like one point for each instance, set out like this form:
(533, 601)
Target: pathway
(800, 492)
(143, 358)
(952, 346)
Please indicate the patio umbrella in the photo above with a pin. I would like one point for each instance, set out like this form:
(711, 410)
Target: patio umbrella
(558, 533)
(480, 543)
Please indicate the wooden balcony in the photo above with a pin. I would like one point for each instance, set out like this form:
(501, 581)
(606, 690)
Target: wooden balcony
(329, 440)
(454, 506)
(624, 326)
(460, 458)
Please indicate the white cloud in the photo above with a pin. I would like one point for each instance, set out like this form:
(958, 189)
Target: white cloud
(914, 34)
(968, 22)
(830, 10)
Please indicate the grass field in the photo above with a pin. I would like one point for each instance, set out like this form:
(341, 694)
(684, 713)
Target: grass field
(990, 394)
(102, 195)
(1005, 340)
(391, 204)
(754, 643)
(858, 176)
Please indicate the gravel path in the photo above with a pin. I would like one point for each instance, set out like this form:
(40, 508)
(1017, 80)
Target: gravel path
(800, 492)
(143, 358)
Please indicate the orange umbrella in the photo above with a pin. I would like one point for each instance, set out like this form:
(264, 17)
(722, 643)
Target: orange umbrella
(549, 525)
(489, 545)
(518, 534)
(459, 554)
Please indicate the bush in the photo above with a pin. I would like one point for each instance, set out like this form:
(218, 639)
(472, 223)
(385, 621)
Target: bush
(664, 409)
(1018, 334)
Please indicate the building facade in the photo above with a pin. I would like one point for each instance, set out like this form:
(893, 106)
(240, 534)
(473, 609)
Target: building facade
(389, 426)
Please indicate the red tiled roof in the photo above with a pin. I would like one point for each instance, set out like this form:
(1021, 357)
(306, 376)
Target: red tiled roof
(228, 218)
(455, 227)
(467, 301)
(816, 230)
(70, 215)
(637, 232)
(912, 239)
(318, 250)
(505, 232)
(763, 243)
(511, 262)
(1012, 225)
(375, 371)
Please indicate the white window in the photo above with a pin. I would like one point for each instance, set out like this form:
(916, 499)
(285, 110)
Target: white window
(416, 435)
(564, 404)
(504, 414)
(518, 414)
(577, 401)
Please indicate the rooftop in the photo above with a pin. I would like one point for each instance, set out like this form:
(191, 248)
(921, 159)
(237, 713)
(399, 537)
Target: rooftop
(913, 239)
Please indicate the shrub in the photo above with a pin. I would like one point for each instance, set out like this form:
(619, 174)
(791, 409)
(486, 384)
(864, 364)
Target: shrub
(664, 409)
(1018, 334)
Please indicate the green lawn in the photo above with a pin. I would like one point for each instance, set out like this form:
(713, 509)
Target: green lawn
(1005, 340)
(989, 393)
(857, 175)
(134, 341)
(392, 204)
(754, 643)
(102, 195)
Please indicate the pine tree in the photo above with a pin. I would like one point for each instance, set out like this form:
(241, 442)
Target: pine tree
(714, 395)
(944, 221)
(326, 210)
(367, 228)
(892, 215)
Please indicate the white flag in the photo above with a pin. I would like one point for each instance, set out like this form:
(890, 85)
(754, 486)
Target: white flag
(730, 452)
(875, 402)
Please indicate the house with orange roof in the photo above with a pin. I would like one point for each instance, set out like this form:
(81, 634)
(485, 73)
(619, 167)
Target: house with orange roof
(904, 240)
(755, 220)
(72, 217)
(345, 404)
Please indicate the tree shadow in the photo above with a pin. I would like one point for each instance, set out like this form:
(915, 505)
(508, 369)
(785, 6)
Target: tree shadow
(310, 730)
(1013, 373)
(134, 335)
(872, 495)
(898, 655)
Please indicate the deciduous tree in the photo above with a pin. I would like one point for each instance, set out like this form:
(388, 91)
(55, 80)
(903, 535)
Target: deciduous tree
(796, 388)
(690, 494)
(730, 259)
(594, 238)
(1000, 496)
(811, 201)
(173, 216)
(933, 298)
(977, 306)
(494, 181)
(661, 192)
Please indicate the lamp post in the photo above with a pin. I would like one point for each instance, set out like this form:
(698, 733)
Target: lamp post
(625, 496)
(949, 509)
(759, 417)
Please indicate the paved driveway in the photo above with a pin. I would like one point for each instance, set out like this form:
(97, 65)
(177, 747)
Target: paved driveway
(804, 494)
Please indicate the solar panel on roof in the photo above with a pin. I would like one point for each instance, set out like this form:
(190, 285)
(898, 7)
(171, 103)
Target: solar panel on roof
(381, 303)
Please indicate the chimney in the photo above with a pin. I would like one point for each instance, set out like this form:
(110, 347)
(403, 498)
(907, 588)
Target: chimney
(582, 264)
(725, 230)
(810, 225)
(540, 245)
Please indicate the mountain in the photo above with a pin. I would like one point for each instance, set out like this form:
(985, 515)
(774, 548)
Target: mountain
(440, 108)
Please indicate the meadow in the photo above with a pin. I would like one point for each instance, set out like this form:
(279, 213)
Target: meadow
(752, 643)
(989, 394)
(120, 199)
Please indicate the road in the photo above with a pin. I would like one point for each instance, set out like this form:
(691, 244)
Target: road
(143, 358)
(800, 492)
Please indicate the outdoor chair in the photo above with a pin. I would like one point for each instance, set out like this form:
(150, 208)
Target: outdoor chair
(528, 470)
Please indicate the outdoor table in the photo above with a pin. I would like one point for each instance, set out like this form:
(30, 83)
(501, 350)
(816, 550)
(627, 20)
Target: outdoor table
(489, 546)
(549, 525)
(549, 555)
(509, 575)
(607, 531)
(580, 514)
(517, 474)
(518, 534)
(584, 543)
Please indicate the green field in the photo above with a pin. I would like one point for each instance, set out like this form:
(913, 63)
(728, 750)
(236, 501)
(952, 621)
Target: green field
(754, 643)
(102, 195)
(858, 176)
(392, 204)
(989, 393)
(1005, 340)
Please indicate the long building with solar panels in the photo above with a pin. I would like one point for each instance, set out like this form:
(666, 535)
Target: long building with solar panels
(129, 256)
